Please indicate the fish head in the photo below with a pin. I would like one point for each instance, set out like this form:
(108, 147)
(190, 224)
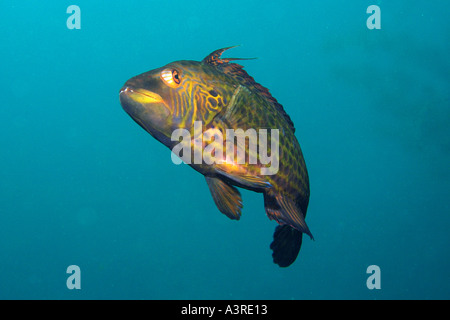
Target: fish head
(144, 98)
(175, 96)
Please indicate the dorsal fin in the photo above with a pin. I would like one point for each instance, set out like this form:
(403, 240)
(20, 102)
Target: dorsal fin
(215, 59)
(237, 71)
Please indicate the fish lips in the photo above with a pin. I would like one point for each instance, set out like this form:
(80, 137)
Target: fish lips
(147, 108)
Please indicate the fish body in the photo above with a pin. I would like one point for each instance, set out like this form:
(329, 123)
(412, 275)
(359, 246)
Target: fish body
(221, 108)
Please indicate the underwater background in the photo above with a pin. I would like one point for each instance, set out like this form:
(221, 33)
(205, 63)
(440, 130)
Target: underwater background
(82, 184)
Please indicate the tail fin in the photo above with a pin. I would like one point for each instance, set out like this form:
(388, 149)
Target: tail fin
(286, 245)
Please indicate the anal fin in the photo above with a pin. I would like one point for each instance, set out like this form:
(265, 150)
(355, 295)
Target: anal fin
(282, 209)
(226, 197)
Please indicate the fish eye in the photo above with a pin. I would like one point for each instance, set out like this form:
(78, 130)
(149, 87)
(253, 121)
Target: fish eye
(171, 77)
(176, 76)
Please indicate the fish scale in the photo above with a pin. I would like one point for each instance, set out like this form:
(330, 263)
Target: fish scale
(220, 95)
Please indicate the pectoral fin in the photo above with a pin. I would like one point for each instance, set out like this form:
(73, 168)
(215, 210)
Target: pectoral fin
(246, 181)
(227, 198)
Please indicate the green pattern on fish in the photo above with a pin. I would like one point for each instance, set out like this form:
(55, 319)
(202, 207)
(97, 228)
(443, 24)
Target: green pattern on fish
(222, 96)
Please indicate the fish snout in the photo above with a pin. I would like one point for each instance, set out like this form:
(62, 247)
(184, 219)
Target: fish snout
(145, 107)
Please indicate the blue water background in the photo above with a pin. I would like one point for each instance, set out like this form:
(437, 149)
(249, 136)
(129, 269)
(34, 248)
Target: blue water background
(81, 183)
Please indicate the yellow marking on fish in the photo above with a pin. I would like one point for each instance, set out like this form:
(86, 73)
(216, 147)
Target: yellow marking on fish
(230, 166)
(144, 96)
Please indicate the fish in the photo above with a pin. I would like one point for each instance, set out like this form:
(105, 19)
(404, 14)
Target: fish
(217, 96)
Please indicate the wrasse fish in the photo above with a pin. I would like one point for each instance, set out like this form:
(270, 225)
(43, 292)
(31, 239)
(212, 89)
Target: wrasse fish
(219, 95)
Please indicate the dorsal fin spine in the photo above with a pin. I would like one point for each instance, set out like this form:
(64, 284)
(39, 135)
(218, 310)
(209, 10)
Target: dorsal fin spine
(237, 70)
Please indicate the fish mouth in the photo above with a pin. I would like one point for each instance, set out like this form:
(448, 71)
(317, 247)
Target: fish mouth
(145, 107)
(141, 95)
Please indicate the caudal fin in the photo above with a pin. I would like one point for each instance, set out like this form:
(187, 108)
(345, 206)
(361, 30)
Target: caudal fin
(286, 245)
